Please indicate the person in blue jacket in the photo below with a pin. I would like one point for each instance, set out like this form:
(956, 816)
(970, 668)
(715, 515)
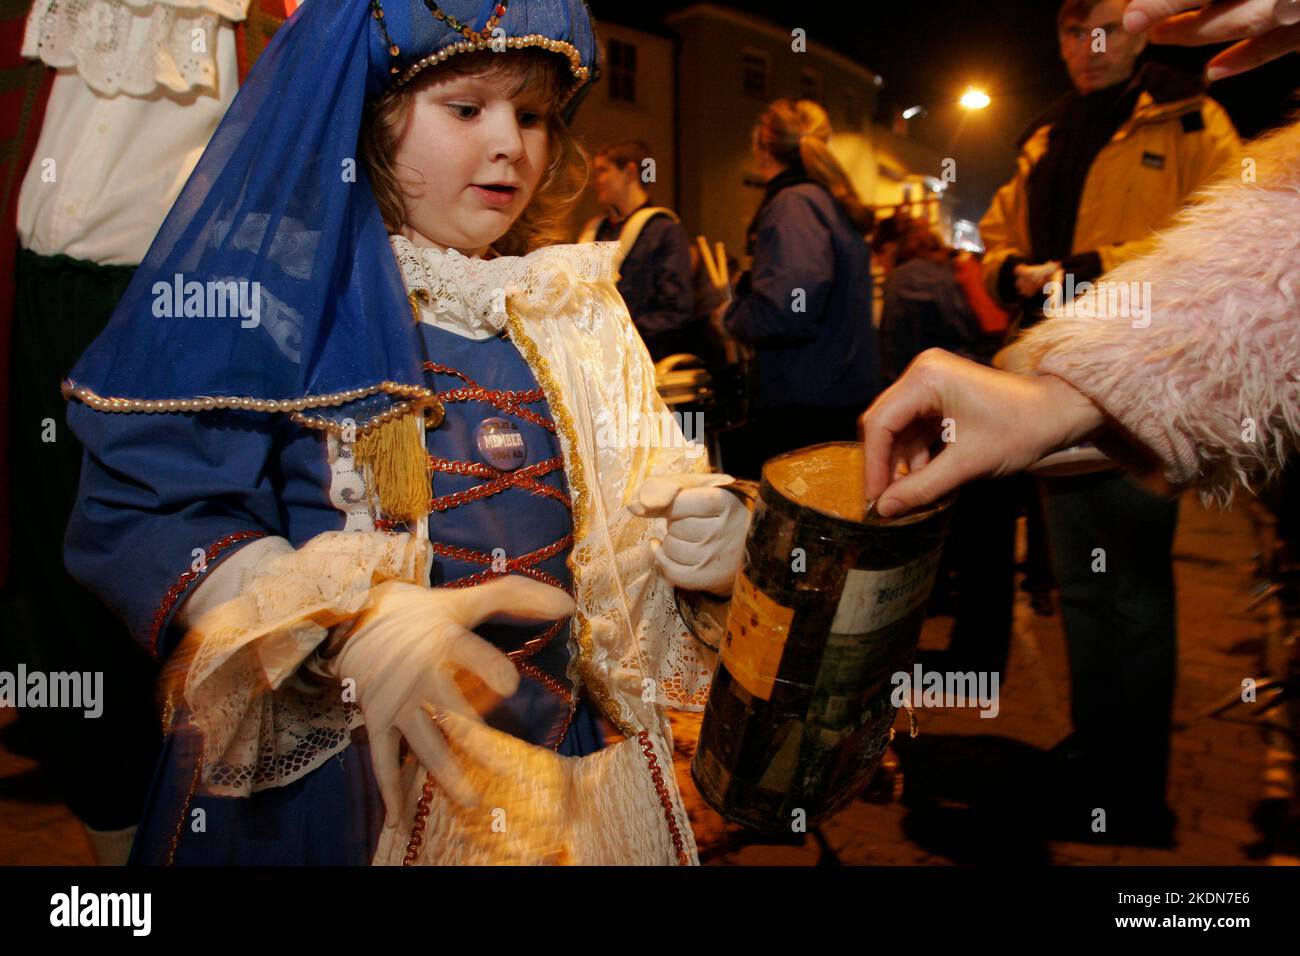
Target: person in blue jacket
(805, 306)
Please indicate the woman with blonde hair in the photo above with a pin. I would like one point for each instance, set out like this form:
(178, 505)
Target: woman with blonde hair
(805, 305)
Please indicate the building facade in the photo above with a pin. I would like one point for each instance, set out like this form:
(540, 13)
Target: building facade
(694, 91)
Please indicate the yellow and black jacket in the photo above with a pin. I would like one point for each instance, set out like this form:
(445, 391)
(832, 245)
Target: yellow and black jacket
(1175, 141)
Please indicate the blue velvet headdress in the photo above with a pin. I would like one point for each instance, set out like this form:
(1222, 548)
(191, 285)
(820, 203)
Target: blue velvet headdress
(271, 285)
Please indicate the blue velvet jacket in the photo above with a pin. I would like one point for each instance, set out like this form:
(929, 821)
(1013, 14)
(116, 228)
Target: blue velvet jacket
(155, 488)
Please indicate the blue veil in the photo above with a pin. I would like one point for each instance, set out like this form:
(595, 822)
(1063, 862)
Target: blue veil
(271, 285)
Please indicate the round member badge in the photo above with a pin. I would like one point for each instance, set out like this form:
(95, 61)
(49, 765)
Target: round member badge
(501, 444)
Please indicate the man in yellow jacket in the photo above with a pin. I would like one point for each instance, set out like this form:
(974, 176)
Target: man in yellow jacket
(1108, 166)
(1098, 176)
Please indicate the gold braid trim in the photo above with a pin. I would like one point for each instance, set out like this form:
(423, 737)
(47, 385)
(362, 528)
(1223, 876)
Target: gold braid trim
(613, 708)
(414, 297)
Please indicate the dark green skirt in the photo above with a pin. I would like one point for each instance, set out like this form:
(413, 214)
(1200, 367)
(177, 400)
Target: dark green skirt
(101, 766)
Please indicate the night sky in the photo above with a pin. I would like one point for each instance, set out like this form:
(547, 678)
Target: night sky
(928, 52)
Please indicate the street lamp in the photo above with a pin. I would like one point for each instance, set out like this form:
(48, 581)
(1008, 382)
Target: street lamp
(974, 99)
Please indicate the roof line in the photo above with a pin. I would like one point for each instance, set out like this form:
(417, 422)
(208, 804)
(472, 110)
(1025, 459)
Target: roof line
(763, 25)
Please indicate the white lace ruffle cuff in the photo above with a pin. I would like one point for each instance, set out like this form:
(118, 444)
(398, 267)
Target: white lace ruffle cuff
(263, 724)
(132, 46)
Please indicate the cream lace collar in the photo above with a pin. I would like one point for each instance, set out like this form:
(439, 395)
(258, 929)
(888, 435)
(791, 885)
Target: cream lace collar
(469, 296)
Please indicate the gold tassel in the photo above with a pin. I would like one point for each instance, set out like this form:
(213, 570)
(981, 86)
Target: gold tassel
(392, 457)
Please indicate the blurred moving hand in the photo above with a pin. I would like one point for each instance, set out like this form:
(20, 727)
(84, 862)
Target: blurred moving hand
(404, 652)
(992, 423)
(1267, 29)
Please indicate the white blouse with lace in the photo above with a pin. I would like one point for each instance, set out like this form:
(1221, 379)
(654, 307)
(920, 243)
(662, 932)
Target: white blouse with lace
(132, 46)
(140, 89)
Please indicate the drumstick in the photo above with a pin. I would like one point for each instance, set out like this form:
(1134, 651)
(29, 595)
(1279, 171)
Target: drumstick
(723, 274)
(707, 257)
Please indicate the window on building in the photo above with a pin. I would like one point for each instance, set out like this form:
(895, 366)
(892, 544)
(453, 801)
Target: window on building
(753, 73)
(621, 62)
(810, 85)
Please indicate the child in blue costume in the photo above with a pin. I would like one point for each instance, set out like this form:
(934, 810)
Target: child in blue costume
(381, 476)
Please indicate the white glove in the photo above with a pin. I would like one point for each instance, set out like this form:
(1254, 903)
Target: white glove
(704, 546)
(403, 652)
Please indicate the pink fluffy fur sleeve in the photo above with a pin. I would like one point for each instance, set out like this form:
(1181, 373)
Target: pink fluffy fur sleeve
(1209, 377)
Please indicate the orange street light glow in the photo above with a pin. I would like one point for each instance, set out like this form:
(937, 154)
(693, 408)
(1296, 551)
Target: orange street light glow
(974, 99)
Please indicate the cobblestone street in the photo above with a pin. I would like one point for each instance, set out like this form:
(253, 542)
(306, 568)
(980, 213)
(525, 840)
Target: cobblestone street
(1217, 775)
